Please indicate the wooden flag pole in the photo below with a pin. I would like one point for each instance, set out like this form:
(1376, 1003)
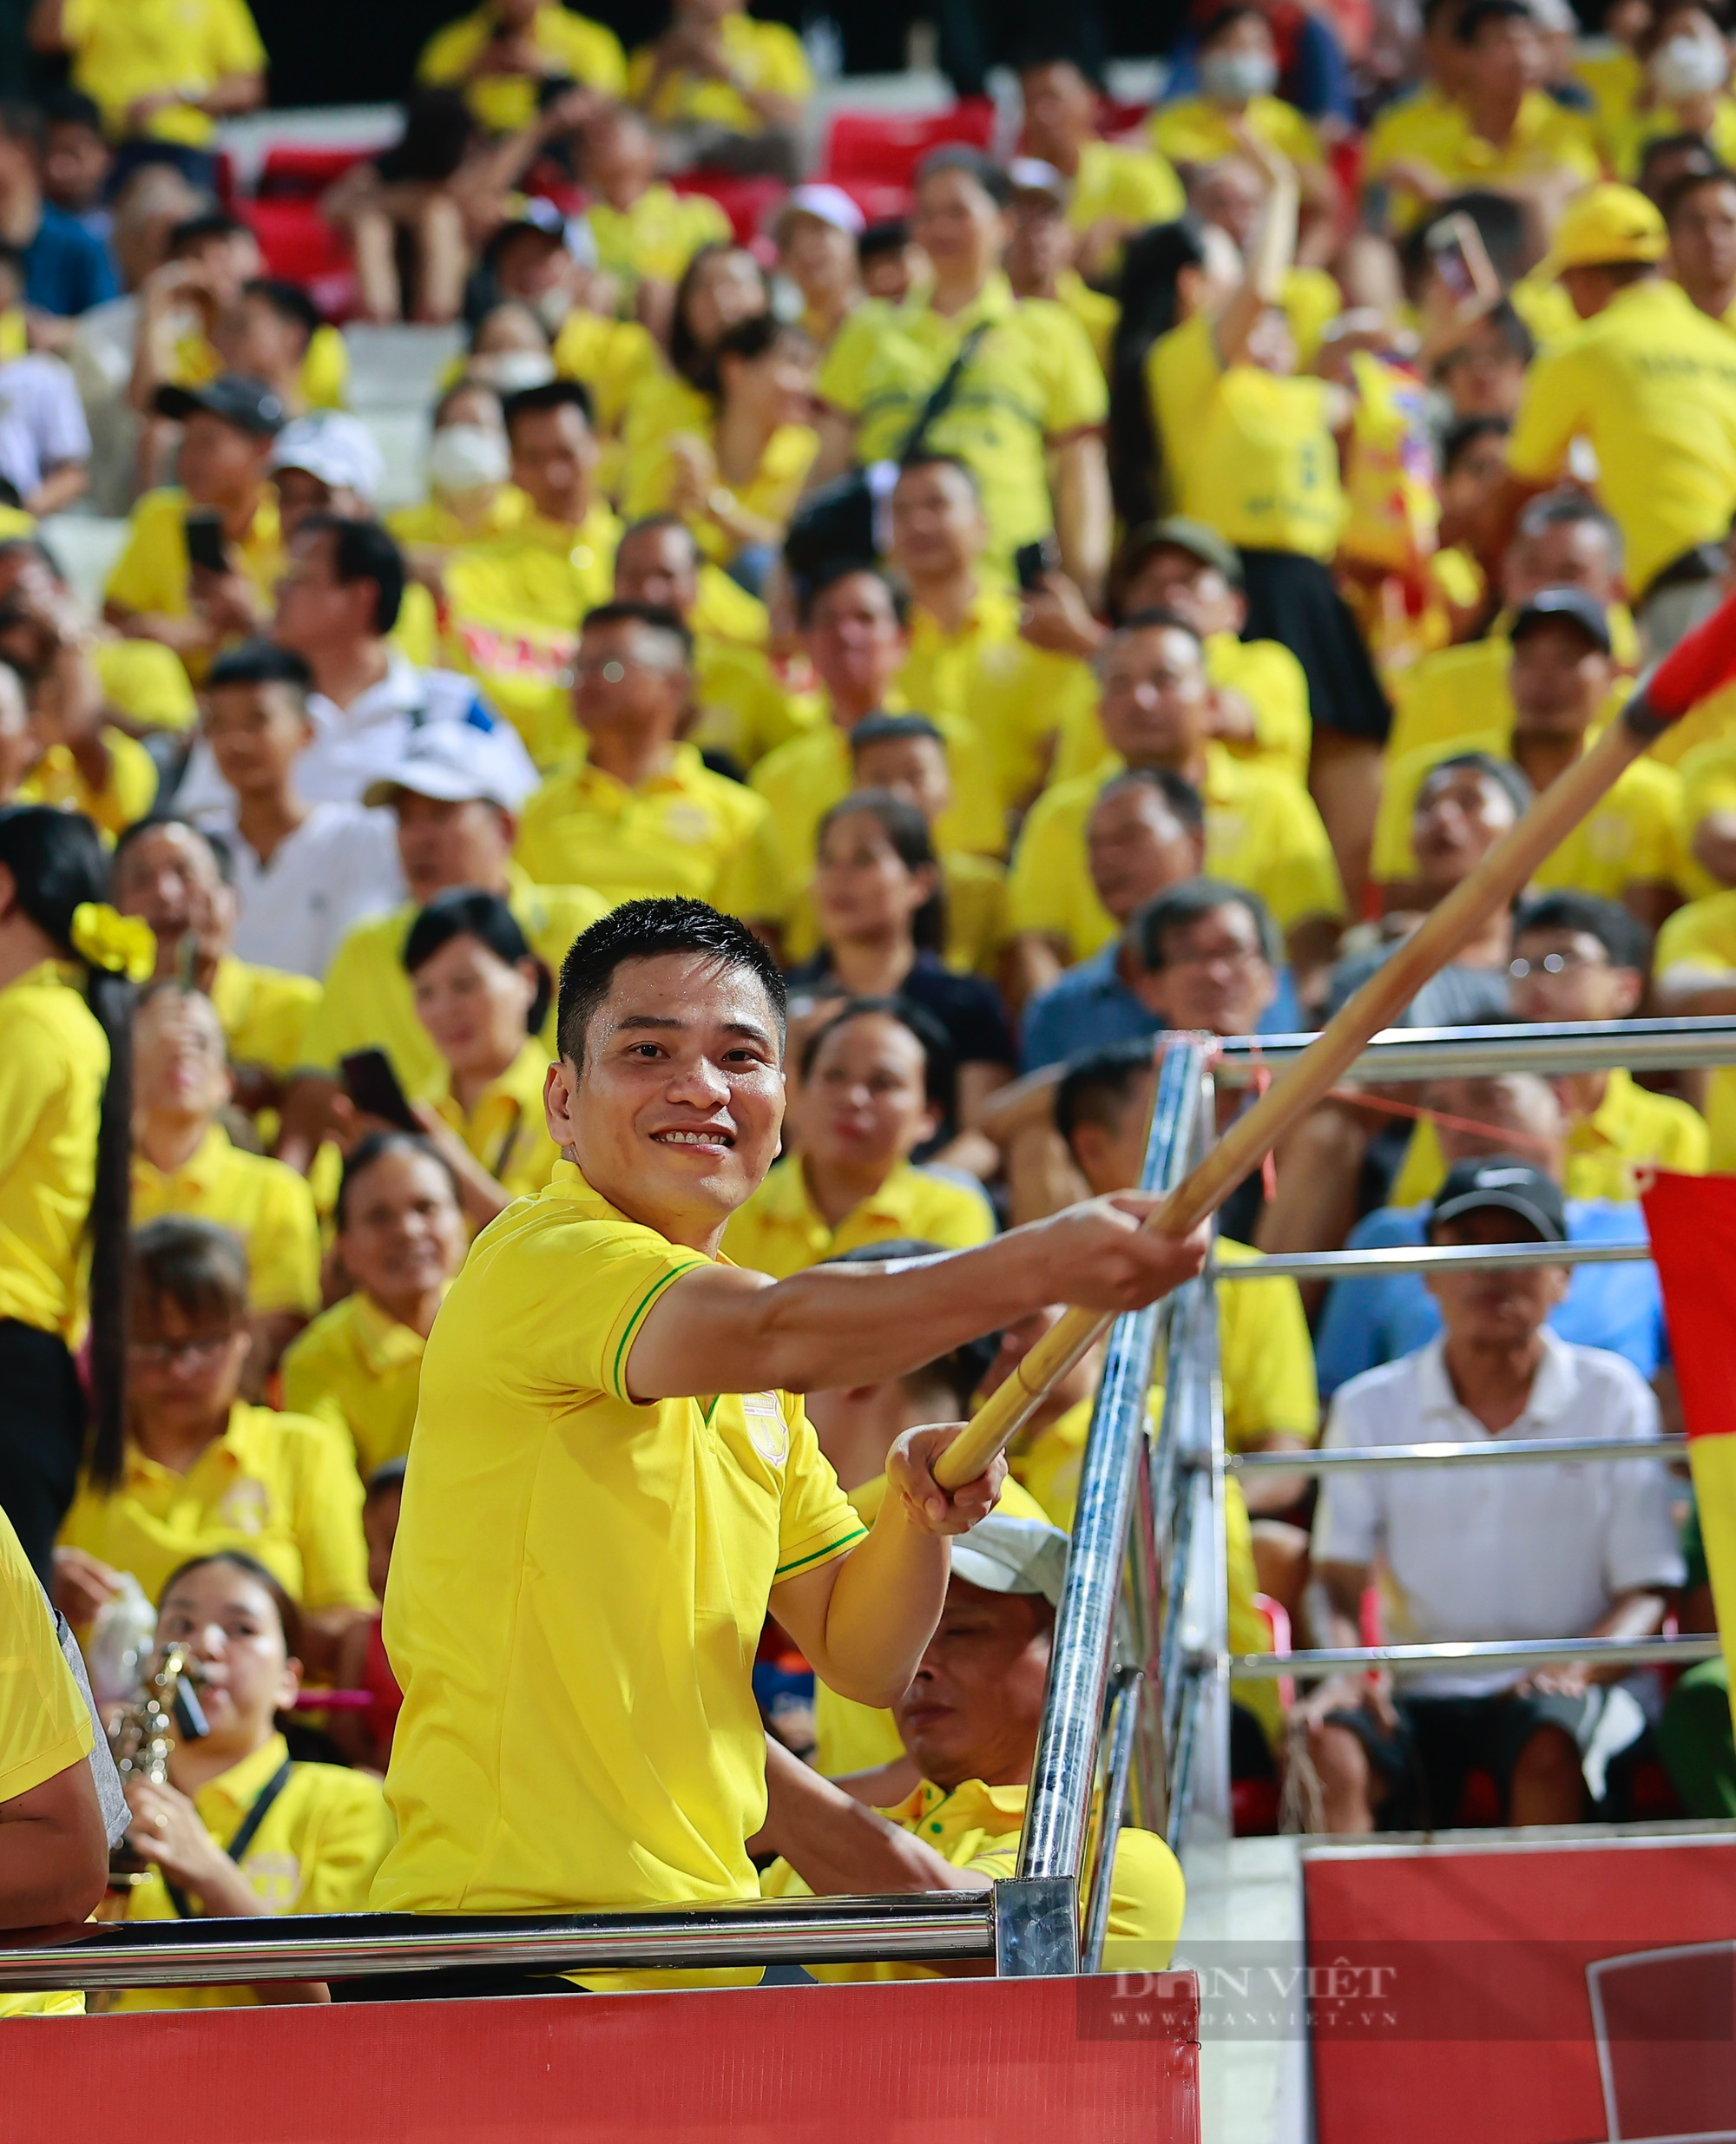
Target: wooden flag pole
(1702, 662)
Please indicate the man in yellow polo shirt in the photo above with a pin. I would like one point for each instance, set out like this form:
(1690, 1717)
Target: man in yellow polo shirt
(613, 1479)
(515, 600)
(645, 231)
(635, 807)
(969, 1726)
(1651, 382)
(1261, 829)
(1113, 190)
(167, 71)
(155, 590)
(503, 53)
(725, 88)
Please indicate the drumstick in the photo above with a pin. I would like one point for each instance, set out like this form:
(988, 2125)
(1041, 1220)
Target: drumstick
(1703, 661)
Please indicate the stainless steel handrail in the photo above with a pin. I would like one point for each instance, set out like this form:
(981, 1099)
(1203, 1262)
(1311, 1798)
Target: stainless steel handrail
(1473, 1053)
(929, 1927)
(1477, 1653)
(1331, 1459)
(1427, 1258)
(1118, 1757)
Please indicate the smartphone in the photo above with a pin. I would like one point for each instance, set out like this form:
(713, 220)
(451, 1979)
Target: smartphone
(372, 1084)
(1032, 561)
(1446, 247)
(205, 544)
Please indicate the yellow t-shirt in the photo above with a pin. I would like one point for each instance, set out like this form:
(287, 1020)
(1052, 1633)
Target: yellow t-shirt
(1248, 452)
(514, 605)
(152, 574)
(975, 892)
(125, 49)
(322, 379)
(54, 1063)
(268, 1206)
(1033, 380)
(1129, 185)
(579, 47)
(1613, 74)
(1708, 780)
(1702, 938)
(771, 492)
(506, 1131)
(1651, 382)
(127, 794)
(977, 1827)
(779, 1232)
(316, 1850)
(45, 1721)
(1632, 134)
(1264, 672)
(279, 1486)
(144, 680)
(358, 1369)
(765, 57)
(613, 358)
(1262, 831)
(1437, 131)
(369, 1003)
(578, 1588)
(743, 708)
(1630, 1132)
(655, 238)
(265, 1012)
(1193, 130)
(432, 526)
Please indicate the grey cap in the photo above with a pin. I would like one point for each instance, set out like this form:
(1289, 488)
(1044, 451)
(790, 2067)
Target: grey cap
(1001, 1554)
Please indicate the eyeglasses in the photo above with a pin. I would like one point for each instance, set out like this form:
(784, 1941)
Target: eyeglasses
(1551, 964)
(165, 1354)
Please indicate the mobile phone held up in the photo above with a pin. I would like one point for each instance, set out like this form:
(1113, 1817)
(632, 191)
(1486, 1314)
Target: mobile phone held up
(371, 1085)
(1032, 561)
(205, 549)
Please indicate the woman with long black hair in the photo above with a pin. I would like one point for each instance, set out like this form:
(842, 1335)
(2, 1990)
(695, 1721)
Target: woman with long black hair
(69, 966)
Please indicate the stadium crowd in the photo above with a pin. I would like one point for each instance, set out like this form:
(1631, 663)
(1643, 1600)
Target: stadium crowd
(1121, 593)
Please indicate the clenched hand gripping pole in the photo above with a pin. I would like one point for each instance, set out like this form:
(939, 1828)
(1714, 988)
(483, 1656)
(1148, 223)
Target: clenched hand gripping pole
(1702, 662)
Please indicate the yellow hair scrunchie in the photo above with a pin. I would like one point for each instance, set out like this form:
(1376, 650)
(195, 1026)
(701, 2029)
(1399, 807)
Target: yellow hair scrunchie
(123, 946)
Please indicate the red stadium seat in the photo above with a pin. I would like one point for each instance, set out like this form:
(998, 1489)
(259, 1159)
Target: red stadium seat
(299, 246)
(744, 201)
(884, 147)
(876, 199)
(294, 171)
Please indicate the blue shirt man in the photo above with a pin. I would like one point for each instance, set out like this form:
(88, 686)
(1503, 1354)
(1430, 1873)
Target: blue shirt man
(67, 268)
(1090, 1007)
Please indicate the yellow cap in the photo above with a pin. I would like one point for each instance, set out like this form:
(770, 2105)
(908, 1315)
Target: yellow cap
(1603, 226)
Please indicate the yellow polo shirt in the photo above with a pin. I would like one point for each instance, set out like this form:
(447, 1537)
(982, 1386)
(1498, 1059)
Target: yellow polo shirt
(1032, 380)
(315, 1852)
(127, 794)
(771, 492)
(514, 604)
(686, 831)
(279, 1486)
(1701, 937)
(1459, 693)
(779, 1232)
(505, 1131)
(1651, 382)
(1708, 780)
(1262, 831)
(144, 681)
(975, 889)
(1631, 136)
(265, 1012)
(1710, 725)
(54, 1064)
(1266, 676)
(1634, 833)
(1193, 130)
(269, 1207)
(1097, 312)
(322, 379)
(977, 1827)
(1248, 452)
(613, 358)
(369, 1003)
(578, 1588)
(433, 526)
(356, 1367)
(1631, 1131)
(126, 49)
(743, 708)
(656, 237)
(45, 1721)
(573, 44)
(1437, 131)
(153, 573)
(1129, 185)
(765, 56)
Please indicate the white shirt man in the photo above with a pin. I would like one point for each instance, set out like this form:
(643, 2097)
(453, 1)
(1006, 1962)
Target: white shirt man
(337, 867)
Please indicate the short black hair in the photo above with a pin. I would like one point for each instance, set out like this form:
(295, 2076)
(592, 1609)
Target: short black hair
(288, 300)
(261, 662)
(1459, 438)
(972, 163)
(1469, 27)
(650, 930)
(363, 549)
(931, 457)
(1187, 805)
(940, 1063)
(71, 107)
(655, 617)
(1096, 1089)
(375, 1147)
(209, 223)
(1158, 619)
(465, 911)
(1225, 18)
(814, 586)
(222, 854)
(553, 394)
(1178, 905)
(1690, 182)
(1622, 935)
(1507, 777)
(886, 729)
(890, 235)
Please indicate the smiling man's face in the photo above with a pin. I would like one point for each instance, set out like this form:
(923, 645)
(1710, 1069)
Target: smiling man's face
(675, 1115)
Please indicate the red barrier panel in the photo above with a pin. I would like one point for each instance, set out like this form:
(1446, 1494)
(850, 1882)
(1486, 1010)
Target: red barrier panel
(1485, 2027)
(974, 2061)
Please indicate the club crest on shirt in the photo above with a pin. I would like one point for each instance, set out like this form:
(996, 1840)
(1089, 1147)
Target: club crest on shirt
(245, 1506)
(767, 1431)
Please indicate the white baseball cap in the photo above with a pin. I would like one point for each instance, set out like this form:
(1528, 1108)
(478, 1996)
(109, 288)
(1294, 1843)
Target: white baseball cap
(1030, 175)
(452, 763)
(335, 447)
(1003, 1554)
(827, 204)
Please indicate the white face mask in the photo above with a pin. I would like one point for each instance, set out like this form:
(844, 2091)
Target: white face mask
(508, 370)
(1689, 66)
(464, 457)
(1234, 77)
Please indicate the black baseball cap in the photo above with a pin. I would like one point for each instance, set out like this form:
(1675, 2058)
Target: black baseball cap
(237, 398)
(1572, 605)
(1514, 1186)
